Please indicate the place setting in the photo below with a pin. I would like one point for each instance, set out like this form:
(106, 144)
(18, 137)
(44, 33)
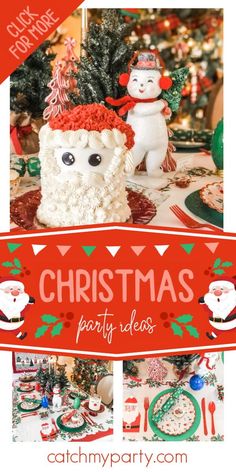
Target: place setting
(178, 398)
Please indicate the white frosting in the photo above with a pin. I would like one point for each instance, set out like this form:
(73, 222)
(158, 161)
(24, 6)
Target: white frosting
(81, 194)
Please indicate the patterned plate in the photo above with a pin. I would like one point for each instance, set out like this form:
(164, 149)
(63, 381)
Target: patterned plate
(68, 428)
(194, 203)
(23, 209)
(213, 196)
(180, 437)
(25, 406)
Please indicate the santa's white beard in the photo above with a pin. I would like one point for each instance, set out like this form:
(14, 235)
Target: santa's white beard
(76, 200)
(221, 306)
(129, 416)
(10, 308)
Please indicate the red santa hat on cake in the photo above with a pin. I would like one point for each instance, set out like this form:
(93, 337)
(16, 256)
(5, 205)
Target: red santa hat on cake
(93, 121)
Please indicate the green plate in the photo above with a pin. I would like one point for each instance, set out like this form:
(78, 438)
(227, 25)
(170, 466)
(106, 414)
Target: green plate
(194, 203)
(181, 437)
(24, 410)
(69, 430)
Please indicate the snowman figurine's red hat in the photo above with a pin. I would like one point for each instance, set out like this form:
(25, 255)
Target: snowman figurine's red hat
(145, 60)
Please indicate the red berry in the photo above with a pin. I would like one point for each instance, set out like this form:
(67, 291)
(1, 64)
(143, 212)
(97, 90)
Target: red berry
(27, 272)
(164, 315)
(67, 324)
(172, 315)
(166, 324)
(70, 315)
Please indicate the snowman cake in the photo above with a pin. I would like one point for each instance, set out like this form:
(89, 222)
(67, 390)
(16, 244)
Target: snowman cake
(179, 419)
(84, 154)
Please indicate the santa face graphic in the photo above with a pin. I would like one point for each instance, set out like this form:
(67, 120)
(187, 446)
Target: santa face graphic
(221, 301)
(13, 302)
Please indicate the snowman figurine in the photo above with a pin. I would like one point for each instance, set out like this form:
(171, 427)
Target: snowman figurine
(56, 400)
(146, 113)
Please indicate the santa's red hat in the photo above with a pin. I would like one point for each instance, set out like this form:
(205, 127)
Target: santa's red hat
(227, 282)
(7, 281)
(94, 117)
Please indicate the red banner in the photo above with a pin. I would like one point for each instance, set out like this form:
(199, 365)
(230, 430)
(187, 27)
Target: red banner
(25, 25)
(117, 292)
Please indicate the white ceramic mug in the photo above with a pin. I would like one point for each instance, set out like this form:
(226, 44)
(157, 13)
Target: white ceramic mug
(95, 402)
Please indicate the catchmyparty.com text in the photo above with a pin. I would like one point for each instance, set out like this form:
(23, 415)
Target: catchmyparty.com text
(111, 459)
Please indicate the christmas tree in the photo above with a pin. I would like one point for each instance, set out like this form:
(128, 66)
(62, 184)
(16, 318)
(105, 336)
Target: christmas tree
(86, 372)
(61, 378)
(48, 378)
(28, 85)
(107, 55)
(57, 100)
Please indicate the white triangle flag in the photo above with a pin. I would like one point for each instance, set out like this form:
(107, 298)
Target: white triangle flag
(38, 248)
(161, 249)
(113, 250)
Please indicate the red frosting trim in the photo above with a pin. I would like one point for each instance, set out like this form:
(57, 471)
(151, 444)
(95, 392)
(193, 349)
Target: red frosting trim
(94, 117)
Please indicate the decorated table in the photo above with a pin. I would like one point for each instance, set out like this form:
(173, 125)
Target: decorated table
(154, 381)
(30, 419)
(148, 205)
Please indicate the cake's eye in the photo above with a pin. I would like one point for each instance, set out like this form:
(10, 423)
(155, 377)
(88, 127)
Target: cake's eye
(150, 80)
(94, 160)
(68, 159)
(135, 80)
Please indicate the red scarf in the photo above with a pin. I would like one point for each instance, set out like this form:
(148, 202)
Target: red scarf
(128, 103)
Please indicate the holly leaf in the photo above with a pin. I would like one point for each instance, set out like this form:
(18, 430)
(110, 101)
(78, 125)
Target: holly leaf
(17, 263)
(177, 330)
(56, 330)
(217, 263)
(184, 318)
(49, 319)
(227, 264)
(7, 264)
(192, 331)
(41, 331)
(219, 271)
(15, 271)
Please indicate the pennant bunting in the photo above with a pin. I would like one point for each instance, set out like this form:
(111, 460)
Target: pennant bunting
(187, 247)
(88, 249)
(63, 249)
(137, 249)
(13, 246)
(37, 248)
(113, 250)
(212, 246)
(161, 249)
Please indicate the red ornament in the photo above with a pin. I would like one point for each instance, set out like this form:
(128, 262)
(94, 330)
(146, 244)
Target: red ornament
(165, 83)
(124, 79)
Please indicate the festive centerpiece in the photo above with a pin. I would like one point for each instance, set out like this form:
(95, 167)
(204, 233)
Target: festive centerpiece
(84, 155)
